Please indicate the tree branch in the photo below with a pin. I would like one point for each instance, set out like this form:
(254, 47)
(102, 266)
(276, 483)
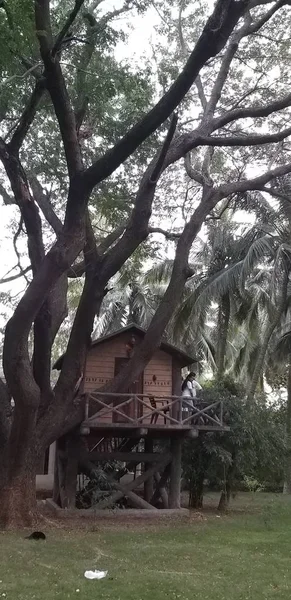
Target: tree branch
(44, 204)
(168, 234)
(212, 40)
(57, 89)
(254, 27)
(110, 239)
(6, 197)
(17, 276)
(191, 172)
(247, 140)
(27, 116)
(172, 296)
(185, 52)
(163, 152)
(69, 22)
(257, 183)
(252, 112)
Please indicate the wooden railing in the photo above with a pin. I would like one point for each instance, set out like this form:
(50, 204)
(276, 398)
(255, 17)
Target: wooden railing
(146, 409)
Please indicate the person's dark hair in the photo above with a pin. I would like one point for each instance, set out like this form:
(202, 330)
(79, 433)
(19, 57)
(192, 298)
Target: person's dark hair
(192, 374)
(184, 384)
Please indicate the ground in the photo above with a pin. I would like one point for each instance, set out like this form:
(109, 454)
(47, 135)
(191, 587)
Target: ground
(243, 555)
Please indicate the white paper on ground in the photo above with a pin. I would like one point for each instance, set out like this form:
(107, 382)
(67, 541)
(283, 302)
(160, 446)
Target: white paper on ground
(95, 574)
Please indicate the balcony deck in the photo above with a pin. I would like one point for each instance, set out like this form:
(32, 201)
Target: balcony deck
(143, 414)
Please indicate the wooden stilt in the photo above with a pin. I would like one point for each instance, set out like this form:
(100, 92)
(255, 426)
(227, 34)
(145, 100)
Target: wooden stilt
(66, 471)
(176, 473)
(160, 490)
(107, 502)
(149, 483)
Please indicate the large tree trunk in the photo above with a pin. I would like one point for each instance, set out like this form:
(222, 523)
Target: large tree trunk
(222, 331)
(18, 505)
(18, 470)
(287, 484)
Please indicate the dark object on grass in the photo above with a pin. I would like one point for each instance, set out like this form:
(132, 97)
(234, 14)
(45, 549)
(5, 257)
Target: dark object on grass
(36, 535)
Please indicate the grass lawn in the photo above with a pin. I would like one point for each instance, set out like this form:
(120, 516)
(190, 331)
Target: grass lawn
(244, 555)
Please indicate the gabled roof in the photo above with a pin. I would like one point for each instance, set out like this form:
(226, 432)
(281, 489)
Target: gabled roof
(180, 355)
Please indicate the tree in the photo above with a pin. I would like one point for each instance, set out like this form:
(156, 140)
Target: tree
(41, 413)
(281, 355)
(253, 449)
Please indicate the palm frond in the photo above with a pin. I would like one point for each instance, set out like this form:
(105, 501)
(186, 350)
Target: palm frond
(261, 247)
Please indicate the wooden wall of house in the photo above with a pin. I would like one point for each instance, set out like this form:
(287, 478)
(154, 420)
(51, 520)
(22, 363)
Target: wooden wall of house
(100, 365)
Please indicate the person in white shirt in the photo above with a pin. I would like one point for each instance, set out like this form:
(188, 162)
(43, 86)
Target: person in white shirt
(189, 390)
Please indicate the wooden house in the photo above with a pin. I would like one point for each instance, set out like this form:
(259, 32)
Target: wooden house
(125, 427)
(162, 377)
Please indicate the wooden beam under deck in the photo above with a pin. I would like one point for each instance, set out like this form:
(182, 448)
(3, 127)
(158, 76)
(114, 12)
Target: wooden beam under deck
(154, 430)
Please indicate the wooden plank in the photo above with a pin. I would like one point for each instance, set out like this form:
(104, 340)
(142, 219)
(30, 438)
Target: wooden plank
(135, 500)
(135, 457)
(176, 473)
(131, 486)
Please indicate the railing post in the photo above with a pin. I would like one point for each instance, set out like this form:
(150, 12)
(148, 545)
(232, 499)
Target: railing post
(221, 413)
(135, 411)
(86, 407)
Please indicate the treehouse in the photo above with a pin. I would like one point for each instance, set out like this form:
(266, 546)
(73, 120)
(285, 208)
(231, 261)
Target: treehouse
(139, 433)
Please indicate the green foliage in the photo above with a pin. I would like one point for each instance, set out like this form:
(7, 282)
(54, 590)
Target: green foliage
(253, 450)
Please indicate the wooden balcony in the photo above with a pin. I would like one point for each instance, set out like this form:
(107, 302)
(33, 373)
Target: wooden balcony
(163, 415)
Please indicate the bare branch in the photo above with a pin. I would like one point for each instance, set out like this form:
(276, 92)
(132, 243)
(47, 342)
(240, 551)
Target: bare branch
(254, 27)
(213, 217)
(15, 238)
(223, 73)
(247, 140)
(69, 22)
(16, 76)
(253, 112)
(163, 152)
(44, 204)
(110, 239)
(17, 276)
(257, 183)
(168, 234)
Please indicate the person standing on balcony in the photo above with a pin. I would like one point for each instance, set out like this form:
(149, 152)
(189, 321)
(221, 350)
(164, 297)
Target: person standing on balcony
(188, 392)
(190, 387)
(195, 385)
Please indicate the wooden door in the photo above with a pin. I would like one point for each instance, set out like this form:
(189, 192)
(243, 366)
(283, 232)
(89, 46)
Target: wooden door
(135, 388)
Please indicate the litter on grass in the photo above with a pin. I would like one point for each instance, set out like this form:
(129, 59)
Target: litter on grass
(95, 574)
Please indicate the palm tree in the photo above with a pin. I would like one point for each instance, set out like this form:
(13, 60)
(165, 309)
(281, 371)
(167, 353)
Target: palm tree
(281, 356)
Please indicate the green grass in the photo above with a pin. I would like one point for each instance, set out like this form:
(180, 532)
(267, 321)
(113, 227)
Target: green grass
(244, 555)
